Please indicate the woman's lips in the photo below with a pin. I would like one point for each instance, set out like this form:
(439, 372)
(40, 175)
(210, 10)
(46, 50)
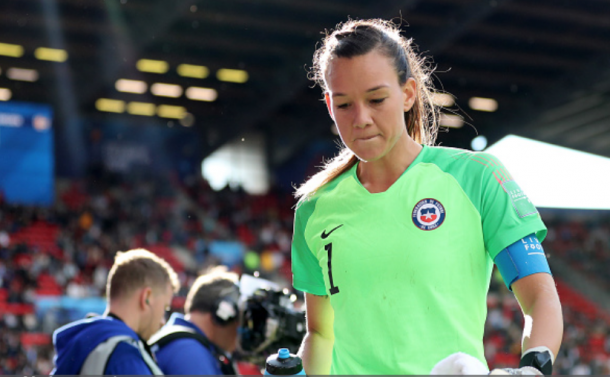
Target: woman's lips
(365, 138)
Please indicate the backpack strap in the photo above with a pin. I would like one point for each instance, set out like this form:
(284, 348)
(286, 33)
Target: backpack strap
(97, 360)
(170, 333)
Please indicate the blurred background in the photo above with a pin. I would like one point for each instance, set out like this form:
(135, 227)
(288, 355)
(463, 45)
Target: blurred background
(182, 126)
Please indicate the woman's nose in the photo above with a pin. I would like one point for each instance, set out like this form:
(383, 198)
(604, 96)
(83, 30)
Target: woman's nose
(362, 116)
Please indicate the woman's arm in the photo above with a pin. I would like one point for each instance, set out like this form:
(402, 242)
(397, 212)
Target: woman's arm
(539, 301)
(316, 350)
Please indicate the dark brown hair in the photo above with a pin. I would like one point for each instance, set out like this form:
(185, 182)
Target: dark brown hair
(357, 38)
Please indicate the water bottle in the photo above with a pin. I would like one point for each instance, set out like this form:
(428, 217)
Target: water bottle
(284, 363)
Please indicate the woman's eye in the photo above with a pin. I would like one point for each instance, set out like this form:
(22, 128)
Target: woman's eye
(377, 100)
(342, 106)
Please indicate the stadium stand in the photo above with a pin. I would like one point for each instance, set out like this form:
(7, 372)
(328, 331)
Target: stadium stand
(584, 245)
(66, 250)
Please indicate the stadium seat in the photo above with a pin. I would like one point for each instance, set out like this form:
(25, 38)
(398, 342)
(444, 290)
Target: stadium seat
(35, 339)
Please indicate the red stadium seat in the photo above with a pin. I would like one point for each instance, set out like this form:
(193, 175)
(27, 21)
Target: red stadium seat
(22, 260)
(39, 235)
(503, 359)
(578, 303)
(74, 198)
(47, 286)
(245, 235)
(248, 369)
(49, 291)
(178, 303)
(16, 309)
(167, 253)
(35, 339)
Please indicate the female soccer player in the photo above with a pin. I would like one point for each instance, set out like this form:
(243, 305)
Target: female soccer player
(395, 240)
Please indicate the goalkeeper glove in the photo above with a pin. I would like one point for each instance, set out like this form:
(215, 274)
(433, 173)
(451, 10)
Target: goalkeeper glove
(535, 361)
(523, 371)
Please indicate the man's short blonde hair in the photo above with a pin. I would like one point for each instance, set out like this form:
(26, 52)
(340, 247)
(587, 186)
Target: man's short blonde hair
(208, 287)
(139, 268)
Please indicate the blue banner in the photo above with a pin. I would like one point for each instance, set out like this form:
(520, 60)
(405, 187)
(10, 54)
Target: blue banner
(56, 311)
(26, 153)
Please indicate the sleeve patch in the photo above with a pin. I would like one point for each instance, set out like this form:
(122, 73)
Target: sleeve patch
(521, 203)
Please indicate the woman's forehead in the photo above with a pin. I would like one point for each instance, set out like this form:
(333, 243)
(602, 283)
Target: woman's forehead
(360, 73)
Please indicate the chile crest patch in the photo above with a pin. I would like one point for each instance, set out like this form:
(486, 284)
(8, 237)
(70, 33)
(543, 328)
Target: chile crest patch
(428, 214)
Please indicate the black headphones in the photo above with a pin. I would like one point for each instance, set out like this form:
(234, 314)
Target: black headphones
(226, 307)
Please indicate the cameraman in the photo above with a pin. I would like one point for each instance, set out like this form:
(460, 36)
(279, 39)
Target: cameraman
(201, 341)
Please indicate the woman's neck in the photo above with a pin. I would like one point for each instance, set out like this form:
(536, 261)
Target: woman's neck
(377, 176)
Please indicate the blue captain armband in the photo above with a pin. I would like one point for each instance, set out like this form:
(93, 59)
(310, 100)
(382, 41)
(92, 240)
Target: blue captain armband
(524, 257)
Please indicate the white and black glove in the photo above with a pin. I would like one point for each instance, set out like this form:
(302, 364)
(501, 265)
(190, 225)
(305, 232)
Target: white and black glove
(537, 361)
(523, 371)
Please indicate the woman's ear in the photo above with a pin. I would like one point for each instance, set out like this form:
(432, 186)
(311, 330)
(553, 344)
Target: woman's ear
(410, 91)
(329, 105)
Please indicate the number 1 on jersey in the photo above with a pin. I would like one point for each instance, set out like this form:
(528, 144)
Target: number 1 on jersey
(333, 289)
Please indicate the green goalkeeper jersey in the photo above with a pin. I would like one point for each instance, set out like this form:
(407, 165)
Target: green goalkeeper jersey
(408, 270)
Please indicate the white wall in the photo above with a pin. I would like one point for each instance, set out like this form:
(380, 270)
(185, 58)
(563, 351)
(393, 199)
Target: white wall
(241, 162)
(553, 176)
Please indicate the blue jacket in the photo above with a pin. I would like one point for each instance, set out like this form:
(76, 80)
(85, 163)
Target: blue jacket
(186, 355)
(75, 341)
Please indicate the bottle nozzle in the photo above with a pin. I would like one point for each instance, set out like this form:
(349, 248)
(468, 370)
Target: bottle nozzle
(283, 353)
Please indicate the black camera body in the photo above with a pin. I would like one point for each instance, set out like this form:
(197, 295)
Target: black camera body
(269, 322)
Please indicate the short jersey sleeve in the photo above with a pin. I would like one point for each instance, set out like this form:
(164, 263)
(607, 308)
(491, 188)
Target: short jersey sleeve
(507, 213)
(306, 271)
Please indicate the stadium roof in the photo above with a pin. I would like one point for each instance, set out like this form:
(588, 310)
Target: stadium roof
(546, 63)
